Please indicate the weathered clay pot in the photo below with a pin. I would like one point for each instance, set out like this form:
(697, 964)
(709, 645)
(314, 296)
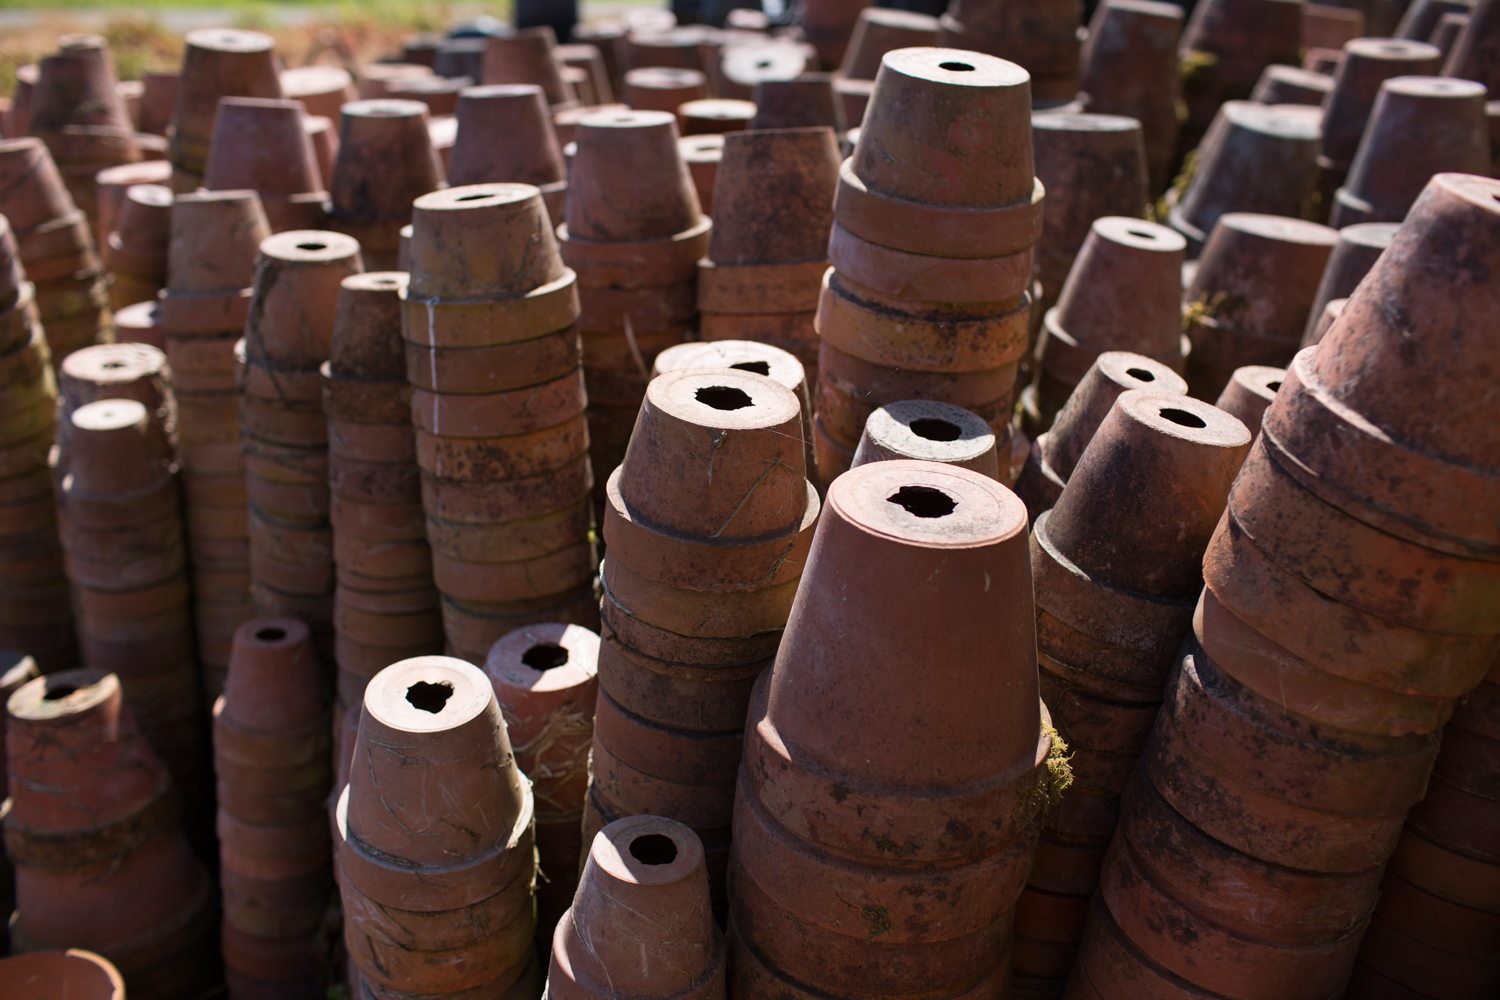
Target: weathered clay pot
(526, 57)
(323, 90)
(297, 280)
(483, 241)
(804, 101)
(263, 145)
(1474, 55)
(1130, 69)
(661, 88)
(1042, 37)
(879, 31)
(1226, 44)
(529, 153)
(1250, 391)
(385, 162)
(604, 203)
(1367, 63)
(1292, 85)
(77, 110)
(219, 63)
(640, 924)
(1357, 250)
(931, 432)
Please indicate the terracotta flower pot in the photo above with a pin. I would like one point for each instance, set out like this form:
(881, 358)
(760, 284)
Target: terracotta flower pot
(1292, 85)
(604, 204)
(263, 145)
(1366, 65)
(388, 139)
(218, 63)
(74, 972)
(323, 90)
(878, 31)
(1042, 37)
(297, 281)
(527, 56)
(644, 881)
(803, 101)
(931, 432)
(1357, 250)
(1474, 55)
(1130, 69)
(1226, 44)
(530, 156)
(1250, 391)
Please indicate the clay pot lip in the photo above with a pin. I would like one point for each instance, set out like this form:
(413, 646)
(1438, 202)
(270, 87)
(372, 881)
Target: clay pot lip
(109, 415)
(1375, 235)
(665, 78)
(203, 196)
(153, 195)
(717, 108)
(14, 666)
(105, 364)
(1139, 234)
(272, 634)
(1279, 228)
(320, 80)
(1285, 121)
(971, 69)
(278, 103)
(377, 281)
(687, 395)
(1084, 121)
(383, 107)
(1391, 49)
(862, 496)
(1115, 363)
(309, 246)
(1261, 381)
(150, 172)
(782, 366)
(484, 90)
(626, 118)
(612, 853)
(894, 420)
(25, 967)
(86, 690)
(1184, 418)
(701, 148)
(1430, 87)
(230, 40)
(505, 664)
(488, 196)
(387, 701)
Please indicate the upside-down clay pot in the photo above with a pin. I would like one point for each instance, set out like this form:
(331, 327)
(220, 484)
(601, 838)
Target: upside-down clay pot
(640, 924)
(1292, 85)
(546, 680)
(505, 134)
(1250, 391)
(218, 63)
(385, 162)
(323, 90)
(804, 101)
(1225, 45)
(928, 431)
(604, 202)
(663, 88)
(819, 814)
(1130, 69)
(526, 56)
(1042, 37)
(1474, 55)
(1367, 63)
(878, 31)
(1357, 250)
(263, 145)
(136, 250)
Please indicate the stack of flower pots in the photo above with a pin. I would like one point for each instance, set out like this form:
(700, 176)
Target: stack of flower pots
(75, 972)
(283, 431)
(1054, 454)
(1420, 126)
(76, 110)
(763, 272)
(635, 248)
(437, 890)
(385, 607)
(1250, 298)
(697, 586)
(1357, 250)
(935, 219)
(928, 431)
(34, 613)
(1117, 564)
(546, 680)
(117, 371)
(505, 135)
(210, 271)
(1124, 293)
(1041, 35)
(641, 924)
(56, 244)
(135, 252)
(1130, 69)
(385, 162)
(217, 63)
(1349, 604)
(16, 669)
(492, 354)
(1224, 48)
(262, 145)
(92, 831)
(871, 857)
(272, 761)
(110, 186)
(121, 528)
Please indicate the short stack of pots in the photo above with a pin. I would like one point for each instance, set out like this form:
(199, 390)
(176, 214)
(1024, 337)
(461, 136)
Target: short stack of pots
(492, 354)
(698, 583)
(262, 145)
(77, 111)
(210, 272)
(136, 251)
(93, 833)
(34, 610)
(385, 162)
(764, 269)
(1117, 567)
(56, 244)
(640, 925)
(217, 63)
(505, 135)
(1124, 293)
(385, 607)
(1054, 454)
(928, 431)
(121, 529)
(635, 248)
(1130, 69)
(1250, 297)
(283, 431)
(1349, 604)
(871, 857)
(1041, 35)
(935, 219)
(272, 761)
(437, 890)
(546, 680)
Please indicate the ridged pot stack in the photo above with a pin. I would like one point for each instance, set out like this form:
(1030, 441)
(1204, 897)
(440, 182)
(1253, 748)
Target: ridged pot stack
(56, 244)
(764, 269)
(437, 891)
(699, 578)
(1348, 606)
(93, 833)
(492, 354)
(136, 251)
(546, 678)
(210, 271)
(1116, 566)
(217, 63)
(35, 617)
(884, 823)
(635, 249)
(272, 760)
(935, 218)
(283, 430)
(385, 607)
